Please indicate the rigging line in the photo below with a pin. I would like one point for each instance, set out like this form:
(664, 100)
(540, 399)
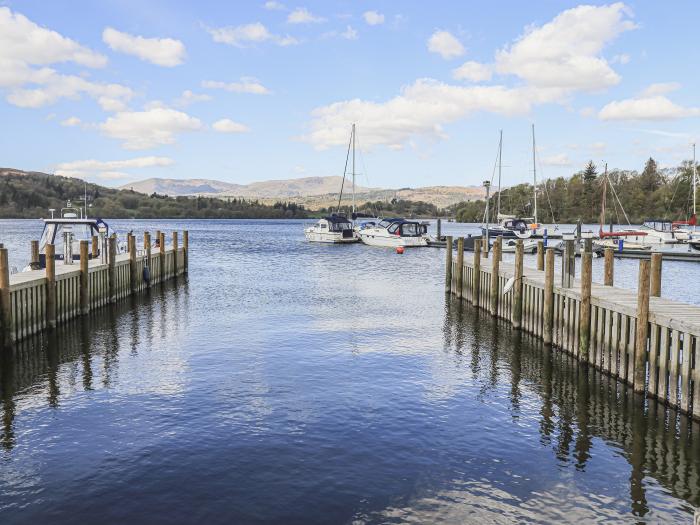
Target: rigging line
(546, 189)
(620, 203)
(493, 174)
(678, 182)
(342, 184)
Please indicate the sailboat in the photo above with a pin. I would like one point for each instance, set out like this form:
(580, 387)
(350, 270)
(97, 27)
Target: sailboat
(337, 228)
(681, 228)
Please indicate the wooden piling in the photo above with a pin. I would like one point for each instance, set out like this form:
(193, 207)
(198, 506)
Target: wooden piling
(84, 283)
(50, 255)
(495, 262)
(147, 247)
(517, 305)
(8, 333)
(642, 327)
(95, 247)
(439, 229)
(111, 269)
(174, 253)
(540, 256)
(459, 281)
(476, 275)
(584, 327)
(186, 250)
(656, 263)
(567, 265)
(448, 263)
(133, 274)
(34, 264)
(609, 266)
(548, 310)
(161, 247)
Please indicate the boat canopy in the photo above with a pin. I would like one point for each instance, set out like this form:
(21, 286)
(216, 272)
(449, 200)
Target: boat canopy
(659, 225)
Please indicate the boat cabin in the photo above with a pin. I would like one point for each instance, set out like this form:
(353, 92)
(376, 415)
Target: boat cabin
(337, 224)
(405, 228)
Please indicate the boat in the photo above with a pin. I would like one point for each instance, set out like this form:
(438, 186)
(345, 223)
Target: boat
(682, 229)
(529, 245)
(337, 228)
(393, 233)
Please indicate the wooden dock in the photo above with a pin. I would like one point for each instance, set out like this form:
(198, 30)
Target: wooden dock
(598, 324)
(37, 300)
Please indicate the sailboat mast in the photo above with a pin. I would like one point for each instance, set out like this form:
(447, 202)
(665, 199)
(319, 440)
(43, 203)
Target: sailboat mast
(500, 158)
(534, 171)
(353, 169)
(605, 191)
(695, 181)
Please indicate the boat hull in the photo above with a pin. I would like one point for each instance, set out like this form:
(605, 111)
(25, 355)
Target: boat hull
(374, 238)
(329, 237)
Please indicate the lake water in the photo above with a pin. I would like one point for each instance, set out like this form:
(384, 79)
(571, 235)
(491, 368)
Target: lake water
(287, 382)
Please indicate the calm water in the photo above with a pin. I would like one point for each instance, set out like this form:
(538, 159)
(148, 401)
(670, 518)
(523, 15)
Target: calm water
(284, 382)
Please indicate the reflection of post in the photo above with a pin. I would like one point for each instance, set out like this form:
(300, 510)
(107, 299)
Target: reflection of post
(7, 389)
(548, 310)
(637, 456)
(459, 281)
(85, 345)
(476, 278)
(517, 305)
(448, 264)
(640, 343)
(50, 286)
(582, 445)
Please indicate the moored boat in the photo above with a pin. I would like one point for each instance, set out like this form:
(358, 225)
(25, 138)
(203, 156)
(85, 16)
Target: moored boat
(393, 233)
(333, 229)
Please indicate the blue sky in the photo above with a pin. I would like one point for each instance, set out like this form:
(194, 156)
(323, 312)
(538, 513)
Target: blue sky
(120, 90)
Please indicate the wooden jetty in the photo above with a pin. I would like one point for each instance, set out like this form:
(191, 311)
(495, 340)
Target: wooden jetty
(36, 300)
(639, 338)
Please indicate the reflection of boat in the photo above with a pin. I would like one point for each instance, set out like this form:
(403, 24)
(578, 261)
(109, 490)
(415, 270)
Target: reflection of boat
(394, 233)
(332, 229)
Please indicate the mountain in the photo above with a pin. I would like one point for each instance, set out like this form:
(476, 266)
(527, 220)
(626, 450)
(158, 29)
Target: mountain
(311, 192)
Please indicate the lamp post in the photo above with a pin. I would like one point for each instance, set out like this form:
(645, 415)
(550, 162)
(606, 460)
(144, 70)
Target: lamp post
(487, 185)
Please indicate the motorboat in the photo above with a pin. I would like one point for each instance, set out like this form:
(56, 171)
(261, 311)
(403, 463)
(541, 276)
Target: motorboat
(529, 245)
(509, 227)
(334, 229)
(394, 232)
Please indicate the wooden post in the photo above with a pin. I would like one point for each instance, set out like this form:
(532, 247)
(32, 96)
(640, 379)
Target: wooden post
(8, 332)
(111, 270)
(34, 264)
(548, 310)
(50, 255)
(459, 281)
(133, 277)
(439, 229)
(147, 247)
(584, 320)
(161, 246)
(495, 262)
(517, 308)
(540, 256)
(609, 266)
(186, 250)
(655, 275)
(567, 265)
(84, 283)
(476, 278)
(448, 264)
(95, 247)
(174, 253)
(640, 342)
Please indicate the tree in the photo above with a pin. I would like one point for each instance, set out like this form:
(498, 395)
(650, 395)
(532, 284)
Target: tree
(590, 172)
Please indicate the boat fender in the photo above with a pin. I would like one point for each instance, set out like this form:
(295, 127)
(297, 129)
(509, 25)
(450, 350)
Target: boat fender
(399, 250)
(146, 274)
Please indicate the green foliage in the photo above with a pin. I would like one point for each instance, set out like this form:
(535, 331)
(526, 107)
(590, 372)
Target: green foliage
(30, 195)
(403, 208)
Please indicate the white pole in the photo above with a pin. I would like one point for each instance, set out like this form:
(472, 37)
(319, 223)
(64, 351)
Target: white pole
(695, 184)
(353, 168)
(500, 158)
(534, 170)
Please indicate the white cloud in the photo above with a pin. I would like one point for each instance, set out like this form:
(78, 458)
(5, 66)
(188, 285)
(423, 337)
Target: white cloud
(646, 108)
(473, 71)
(562, 159)
(189, 97)
(149, 128)
(445, 44)
(373, 18)
(622, 58)
(587, 112)
(301, 15)
(166, 52)
(598, 147)
(111, 165)
(274, 6)
(244, 35)
(245, 85)
(349, 33)
(226, 125)
(71, 121)
(660, 88)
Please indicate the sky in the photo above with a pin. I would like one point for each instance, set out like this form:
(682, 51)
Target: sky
(116, 91)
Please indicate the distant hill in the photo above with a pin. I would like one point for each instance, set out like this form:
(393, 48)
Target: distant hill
(311, 192)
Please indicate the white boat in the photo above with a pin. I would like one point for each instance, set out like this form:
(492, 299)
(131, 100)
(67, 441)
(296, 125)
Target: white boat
(529, 245)
(393, 233)
(334, 229)
(686, 231)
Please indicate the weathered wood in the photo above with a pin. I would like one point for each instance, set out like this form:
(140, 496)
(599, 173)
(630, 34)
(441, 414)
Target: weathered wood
(84, 282)
(584, 323)
(548, 308)
(133, 272)
(95, 247)
(186, 250)
(439, 228)
(50, 254)
(161, 246)
(459, 281)
(476, 283)
(8, 332)
(609, 266)
(111, 270)
(174, 253)
(655, 290)
(34, 261)
(540, 256)
(640, 347)
(517, 301)
(147, 247)
(448, 262)
(567, 265)
(495, 262)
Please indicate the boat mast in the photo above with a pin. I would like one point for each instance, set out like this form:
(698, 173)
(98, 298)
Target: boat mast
(695, 184)
(534, 170)
(500, 157)
(353, 169)
(605, 191)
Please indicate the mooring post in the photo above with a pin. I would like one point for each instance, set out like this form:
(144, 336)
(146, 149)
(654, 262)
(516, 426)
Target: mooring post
(50, 255)
(34, 264)
(161, 247)
(147, 247)
(174, 253)
(567, 265)
(476, 277)
(609, 267)
(111, 269)
(8, 333)
(584, 320)
(133, 276)
(448, 264)
(548, 309)
(186, 250)
(656, 274)
(459, 281)
(439, 229)
(517, 308)
(540, 256)
(640, 342)
(495, 262)
(95, 246)
(84, 282)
